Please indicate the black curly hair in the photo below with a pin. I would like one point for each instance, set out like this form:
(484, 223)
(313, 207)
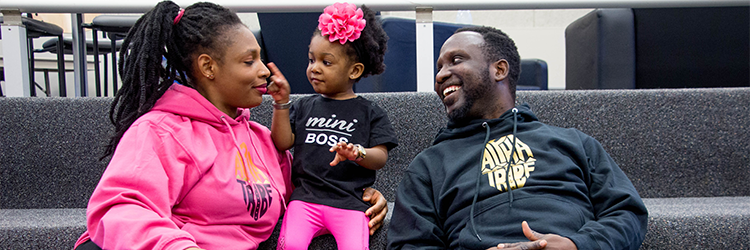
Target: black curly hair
(497, 45)
(369, 49)
(203, 28)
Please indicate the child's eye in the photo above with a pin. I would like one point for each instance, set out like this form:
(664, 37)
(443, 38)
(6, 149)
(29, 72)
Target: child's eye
(310, 60)
(327, 63)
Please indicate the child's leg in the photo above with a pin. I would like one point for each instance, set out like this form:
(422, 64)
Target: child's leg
(301, 223)
(349, 227)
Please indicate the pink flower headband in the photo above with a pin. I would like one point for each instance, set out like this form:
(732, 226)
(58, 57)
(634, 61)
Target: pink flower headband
(341, 21)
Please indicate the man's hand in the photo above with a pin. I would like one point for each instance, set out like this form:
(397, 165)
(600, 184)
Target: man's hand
(538, 241)
(377, 211)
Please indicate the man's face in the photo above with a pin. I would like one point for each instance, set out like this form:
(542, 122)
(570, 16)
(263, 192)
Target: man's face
(463, 80)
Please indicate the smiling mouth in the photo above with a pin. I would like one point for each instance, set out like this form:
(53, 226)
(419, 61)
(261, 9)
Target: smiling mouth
(450, 90)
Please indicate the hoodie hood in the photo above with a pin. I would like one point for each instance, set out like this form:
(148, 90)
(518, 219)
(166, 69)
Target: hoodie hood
(504, 123)
(186, 101)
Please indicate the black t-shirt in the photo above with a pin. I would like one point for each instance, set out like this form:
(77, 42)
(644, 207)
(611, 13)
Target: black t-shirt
(319, 123)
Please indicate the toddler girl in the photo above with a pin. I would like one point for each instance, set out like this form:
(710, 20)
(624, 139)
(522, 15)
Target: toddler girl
(334, 124)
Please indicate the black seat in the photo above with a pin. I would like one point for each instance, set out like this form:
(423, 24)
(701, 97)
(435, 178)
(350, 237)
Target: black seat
(533, 75)
(648, 48)
(113, 27)
(67, 48)
(49, 46)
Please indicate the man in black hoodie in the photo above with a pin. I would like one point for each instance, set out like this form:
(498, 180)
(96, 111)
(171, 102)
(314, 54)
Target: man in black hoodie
(495, 171)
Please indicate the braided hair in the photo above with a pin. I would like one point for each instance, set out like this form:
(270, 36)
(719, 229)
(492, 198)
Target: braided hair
(156, 37)
(497, 46)
(370, 47)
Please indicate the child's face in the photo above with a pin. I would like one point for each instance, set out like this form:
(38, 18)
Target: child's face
(329, 68)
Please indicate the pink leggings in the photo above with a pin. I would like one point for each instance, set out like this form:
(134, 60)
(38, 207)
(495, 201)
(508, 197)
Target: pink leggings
(304, 221)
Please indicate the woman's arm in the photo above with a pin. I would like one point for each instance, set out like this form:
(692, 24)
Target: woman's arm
(415, 223)
(132, 203)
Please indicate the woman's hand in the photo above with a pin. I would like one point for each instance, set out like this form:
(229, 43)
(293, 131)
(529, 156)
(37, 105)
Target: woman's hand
(279, 87)
(378, 210)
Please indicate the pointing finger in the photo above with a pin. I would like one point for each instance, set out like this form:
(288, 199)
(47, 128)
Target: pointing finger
(275, 72)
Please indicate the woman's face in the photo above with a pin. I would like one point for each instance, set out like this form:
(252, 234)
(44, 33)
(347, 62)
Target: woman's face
(239, 78)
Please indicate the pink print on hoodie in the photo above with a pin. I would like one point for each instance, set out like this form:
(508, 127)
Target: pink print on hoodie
(187, 175)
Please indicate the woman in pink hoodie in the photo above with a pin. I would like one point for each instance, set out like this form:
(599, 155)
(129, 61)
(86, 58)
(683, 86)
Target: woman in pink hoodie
(189, 170)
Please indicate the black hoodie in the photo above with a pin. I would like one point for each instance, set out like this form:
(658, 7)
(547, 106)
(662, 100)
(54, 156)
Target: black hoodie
(562, 182)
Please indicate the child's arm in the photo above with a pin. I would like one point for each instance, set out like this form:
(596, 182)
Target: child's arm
(281, 129)
(374, 157)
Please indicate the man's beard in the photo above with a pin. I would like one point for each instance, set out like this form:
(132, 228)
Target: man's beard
(462, 114)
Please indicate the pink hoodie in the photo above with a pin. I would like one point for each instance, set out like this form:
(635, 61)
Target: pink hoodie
(187, 175)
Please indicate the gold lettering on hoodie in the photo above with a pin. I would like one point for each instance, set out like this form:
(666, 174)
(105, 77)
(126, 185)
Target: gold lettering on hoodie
(495, 159)
(256, 188)
(249, 172)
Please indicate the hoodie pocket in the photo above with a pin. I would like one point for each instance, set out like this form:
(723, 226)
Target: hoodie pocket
(221, 236)
(497, 222)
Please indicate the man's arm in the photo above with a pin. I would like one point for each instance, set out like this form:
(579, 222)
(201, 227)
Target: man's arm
(377, 211)
(622, 216)
(414, 224)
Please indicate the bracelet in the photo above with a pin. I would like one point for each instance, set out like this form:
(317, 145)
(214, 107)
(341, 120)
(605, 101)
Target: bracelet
(282, 105)
(361, 153)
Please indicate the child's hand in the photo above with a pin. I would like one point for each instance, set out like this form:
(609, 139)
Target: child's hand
(279, 87)
(344, 152)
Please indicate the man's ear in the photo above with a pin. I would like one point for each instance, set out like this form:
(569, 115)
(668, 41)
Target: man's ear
(356, 70)
(206, 66)
(499, 70)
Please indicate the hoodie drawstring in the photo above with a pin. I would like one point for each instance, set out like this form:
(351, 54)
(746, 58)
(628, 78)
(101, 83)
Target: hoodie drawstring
(479, 177)
(511, 160)
(479, 174)
(283, 200)
(234, 138)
